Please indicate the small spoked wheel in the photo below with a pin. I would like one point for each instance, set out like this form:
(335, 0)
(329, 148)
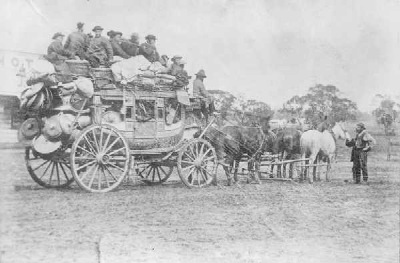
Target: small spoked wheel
(197, 163)
(100, 158)
(50, 171)
(154, 173)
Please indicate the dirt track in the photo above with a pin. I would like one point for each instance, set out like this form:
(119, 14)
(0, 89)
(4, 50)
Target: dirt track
(272, 222)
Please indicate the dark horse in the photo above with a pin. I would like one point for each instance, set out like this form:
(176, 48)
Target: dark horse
(287, 145)
(232, 142)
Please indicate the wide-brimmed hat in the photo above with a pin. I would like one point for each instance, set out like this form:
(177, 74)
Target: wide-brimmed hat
(118, 33)
(44, 146)
(151, 37)
(111, 33)
(361, 125)
(97, 28)
(201, 73)
(58, 34)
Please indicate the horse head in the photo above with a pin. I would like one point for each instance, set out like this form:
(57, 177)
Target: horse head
(340, 132)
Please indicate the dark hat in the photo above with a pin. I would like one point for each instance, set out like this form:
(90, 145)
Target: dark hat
(117, 33)
(151, 37)
(58, 34)
(80, 25)
(111, 33)
(201, 73)
(361, 125)
(97, 28)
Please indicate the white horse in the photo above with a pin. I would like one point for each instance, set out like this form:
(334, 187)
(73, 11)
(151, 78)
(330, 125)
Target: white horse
(318, 146)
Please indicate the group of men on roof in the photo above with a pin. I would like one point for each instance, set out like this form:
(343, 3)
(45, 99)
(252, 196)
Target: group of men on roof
(100, 51)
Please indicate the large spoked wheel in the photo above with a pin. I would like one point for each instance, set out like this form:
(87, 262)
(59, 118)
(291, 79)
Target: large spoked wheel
(154, 173)
(197, 163)
(100, 158)
(50, 171)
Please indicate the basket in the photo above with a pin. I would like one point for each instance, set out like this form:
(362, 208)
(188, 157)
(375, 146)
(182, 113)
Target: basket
(103, 76)
(79, 67)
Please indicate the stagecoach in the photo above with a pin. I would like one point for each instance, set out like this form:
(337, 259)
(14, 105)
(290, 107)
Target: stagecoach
(122, 129)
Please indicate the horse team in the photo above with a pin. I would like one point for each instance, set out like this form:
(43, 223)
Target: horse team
(231, 142)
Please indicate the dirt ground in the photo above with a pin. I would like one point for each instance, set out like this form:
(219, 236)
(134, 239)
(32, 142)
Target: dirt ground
(272, 222)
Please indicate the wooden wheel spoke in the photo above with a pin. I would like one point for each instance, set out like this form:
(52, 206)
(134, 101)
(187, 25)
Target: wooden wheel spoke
(58, 174)
(93, 176)
(154, 172)
(187, 155)
(209, 159)
(105, 176)
(183, 161)
(115, 179)
(107, 140)
(113, 152)
(45, 171)
(205, 154)
(191, 150)
(34, 169)
(191, 174)
(115, 166)
(101, 139)
(63, 170)
(162, 169)
(95, 141)
(90, 145)
(83, 149)
(87, 172)
(198, 178)
(158, 174)
(111, 145)
(142, 171)
(207, 172)
(86, 165)
(51, 173)
(187, 167)
(201, 149)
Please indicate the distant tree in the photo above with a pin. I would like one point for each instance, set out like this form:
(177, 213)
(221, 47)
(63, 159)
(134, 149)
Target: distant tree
(321, 101)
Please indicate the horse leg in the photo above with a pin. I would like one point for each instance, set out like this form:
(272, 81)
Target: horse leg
(257, 172)
(313, 160)
(235, 175)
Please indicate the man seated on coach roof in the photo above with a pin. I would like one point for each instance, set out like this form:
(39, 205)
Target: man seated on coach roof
(77, 42)
(149, 50)
(100, 51)
(177, 65)
(56, 53)
(131, 46)
(200, 92)
(116, 45)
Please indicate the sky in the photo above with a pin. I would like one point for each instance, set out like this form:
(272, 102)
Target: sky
(269, 50)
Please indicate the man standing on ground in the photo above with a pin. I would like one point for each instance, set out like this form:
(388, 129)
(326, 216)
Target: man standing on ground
(361, 144)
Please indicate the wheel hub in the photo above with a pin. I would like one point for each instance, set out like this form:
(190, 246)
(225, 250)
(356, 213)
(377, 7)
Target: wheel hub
(102, 158)
(197, 163)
